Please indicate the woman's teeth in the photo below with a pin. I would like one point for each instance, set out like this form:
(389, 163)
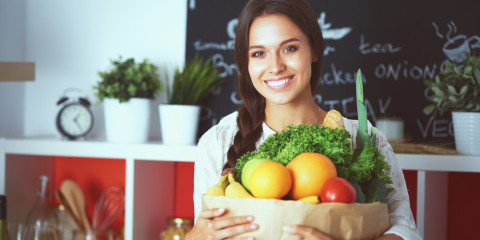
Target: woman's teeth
(279, 83)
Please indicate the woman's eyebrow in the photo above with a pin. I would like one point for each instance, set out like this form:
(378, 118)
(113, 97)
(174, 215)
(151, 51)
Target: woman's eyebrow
(281, 43)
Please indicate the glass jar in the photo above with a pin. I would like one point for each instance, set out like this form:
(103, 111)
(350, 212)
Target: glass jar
(176, 229)
(66, 226)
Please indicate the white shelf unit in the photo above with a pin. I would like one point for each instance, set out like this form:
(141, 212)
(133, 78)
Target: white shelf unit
(150, 178)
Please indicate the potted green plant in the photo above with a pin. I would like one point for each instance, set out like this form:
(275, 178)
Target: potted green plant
(190, 85)
(456, 89)
(127, 89)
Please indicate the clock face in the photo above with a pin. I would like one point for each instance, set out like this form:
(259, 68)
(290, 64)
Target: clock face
(74, 120)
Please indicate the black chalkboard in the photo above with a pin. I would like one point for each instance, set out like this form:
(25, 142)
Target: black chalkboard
(396, 43)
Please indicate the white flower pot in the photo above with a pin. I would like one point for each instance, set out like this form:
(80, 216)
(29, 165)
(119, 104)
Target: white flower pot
(179, 123)
(466, 128)
(127, 122)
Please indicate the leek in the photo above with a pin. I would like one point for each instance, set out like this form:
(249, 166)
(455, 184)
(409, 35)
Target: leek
(362, 133)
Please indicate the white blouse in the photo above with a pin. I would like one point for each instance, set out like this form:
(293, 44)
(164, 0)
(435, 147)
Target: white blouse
(214, 144)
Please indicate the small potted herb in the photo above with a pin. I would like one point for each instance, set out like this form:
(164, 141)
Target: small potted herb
(127, 89)
(456, 89)
(190, 85)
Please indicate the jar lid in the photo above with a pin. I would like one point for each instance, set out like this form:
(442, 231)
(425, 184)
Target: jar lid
(180, 220)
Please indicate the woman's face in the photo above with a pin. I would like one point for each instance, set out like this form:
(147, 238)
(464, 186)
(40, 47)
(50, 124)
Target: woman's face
(279, 59)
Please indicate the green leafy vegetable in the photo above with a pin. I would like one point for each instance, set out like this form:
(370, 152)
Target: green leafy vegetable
(359, 191)
(376, 191)
(360, 165)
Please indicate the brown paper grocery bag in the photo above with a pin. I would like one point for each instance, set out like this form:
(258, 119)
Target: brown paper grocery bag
(338, 220)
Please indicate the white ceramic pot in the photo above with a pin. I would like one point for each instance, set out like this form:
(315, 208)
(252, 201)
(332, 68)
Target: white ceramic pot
(466, 128)
(392, 127)
(127, 122)
(179, 123)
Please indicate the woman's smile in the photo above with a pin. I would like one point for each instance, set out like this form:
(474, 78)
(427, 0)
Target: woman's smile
(280, 82)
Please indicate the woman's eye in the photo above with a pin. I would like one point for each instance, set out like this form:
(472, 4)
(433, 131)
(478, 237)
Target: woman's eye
(258, 54)
(290, 49)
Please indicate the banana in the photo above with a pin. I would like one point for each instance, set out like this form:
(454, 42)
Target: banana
(310, 199)
(219, 188)
(333, 120)
(235, 189)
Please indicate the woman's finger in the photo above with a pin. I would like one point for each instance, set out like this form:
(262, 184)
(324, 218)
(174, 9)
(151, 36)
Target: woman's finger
(212, 213)
(306, 232)
(232, 232)
(228, 222)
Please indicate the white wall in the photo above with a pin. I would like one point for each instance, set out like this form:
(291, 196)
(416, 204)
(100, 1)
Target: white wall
(12, 42)
(71, 40)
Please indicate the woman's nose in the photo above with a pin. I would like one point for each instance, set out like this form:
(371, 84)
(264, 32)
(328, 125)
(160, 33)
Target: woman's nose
(277, 64)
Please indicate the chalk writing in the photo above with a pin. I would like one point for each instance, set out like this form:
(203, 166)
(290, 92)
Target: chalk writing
(384, 106)
(224, 69)
(348, 106)
(327, 50)
(235, 98)
(402, 69)
(231, 26)
(366, 48)
(202, 46)
(332, 33)
(439, 128)
(333, 76)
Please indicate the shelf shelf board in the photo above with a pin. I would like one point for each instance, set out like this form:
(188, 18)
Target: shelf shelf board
(97, 148)
(433, 162)
(156, 151)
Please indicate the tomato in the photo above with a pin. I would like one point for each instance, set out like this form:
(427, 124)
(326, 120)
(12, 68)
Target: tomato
(338, 189)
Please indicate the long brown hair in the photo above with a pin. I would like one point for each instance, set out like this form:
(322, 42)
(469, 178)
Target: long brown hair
(252, 112)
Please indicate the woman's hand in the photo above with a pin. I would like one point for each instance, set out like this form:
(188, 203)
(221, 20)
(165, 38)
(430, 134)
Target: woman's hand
(306, 233)
(210, 228)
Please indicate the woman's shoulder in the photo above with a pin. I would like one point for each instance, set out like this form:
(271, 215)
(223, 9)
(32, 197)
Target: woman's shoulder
(223, 131)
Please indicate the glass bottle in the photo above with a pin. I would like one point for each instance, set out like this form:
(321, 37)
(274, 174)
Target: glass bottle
(66, 226)
(176, 229)
(42, 220)
(3, 219)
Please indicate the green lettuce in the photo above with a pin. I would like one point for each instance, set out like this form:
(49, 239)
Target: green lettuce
(360, 165)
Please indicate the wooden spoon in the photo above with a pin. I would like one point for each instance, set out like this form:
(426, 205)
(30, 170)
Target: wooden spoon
(74, 195)
(68, 208)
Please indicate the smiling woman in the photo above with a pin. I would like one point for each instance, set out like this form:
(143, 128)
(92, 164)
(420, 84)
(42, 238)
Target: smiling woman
(278, 52)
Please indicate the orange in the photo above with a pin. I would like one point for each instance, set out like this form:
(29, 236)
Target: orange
(309, 172)
(270, 180)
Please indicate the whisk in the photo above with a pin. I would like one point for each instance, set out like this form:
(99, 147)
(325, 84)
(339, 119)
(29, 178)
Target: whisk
(108, 208)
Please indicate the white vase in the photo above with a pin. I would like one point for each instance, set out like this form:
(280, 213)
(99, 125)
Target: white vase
(127, 122)
(466, 128)
(179, 123)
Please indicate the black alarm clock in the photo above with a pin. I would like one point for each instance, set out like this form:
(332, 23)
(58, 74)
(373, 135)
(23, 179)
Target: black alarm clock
(75, 119)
